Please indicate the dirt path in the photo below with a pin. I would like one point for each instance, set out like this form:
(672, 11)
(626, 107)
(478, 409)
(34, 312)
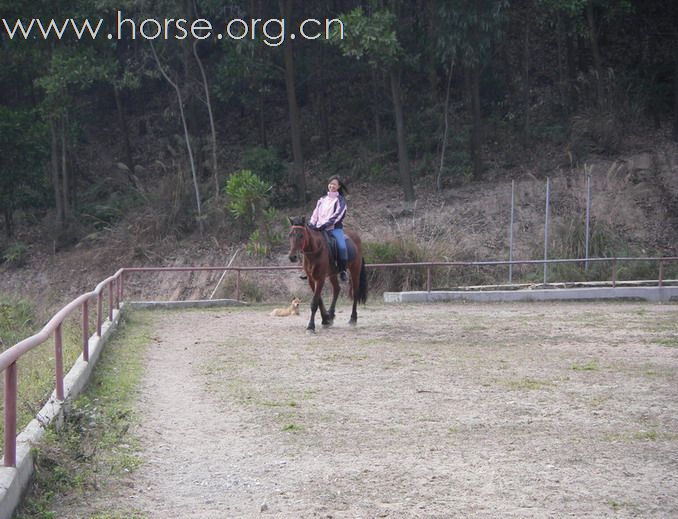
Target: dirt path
(524, 411)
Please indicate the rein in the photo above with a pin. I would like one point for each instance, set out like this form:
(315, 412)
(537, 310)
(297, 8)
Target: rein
(306, 241)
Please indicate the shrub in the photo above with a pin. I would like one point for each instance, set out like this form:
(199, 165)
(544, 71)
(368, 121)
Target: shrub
(398, 250)
(596, 131)
(16, 254)
(248, 197)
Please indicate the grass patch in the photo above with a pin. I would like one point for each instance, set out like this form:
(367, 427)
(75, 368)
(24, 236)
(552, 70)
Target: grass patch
(36, 368)
(650, 435)
(527, 384)
(93, 448)
(116, 515)
(591, 365)
(293, 428)
(617, 506)
(279, 404)
(669, 342)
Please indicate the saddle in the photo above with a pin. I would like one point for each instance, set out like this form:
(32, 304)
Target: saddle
(334, 249)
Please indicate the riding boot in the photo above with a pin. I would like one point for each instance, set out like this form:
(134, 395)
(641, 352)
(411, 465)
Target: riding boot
(341, 267)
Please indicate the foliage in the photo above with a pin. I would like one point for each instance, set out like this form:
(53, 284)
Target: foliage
(16, 254)
(369, 37)
(399, 250)
(22, 141)
(264, 163)
(65, 86)
(103, 203)
(467, 29)
(16, 321)
(247, 196)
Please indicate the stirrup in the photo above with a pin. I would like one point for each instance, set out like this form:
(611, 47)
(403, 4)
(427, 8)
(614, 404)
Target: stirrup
(343, 276)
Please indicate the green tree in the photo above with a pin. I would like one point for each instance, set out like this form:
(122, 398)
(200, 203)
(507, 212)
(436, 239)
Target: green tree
(373, 37)
(23, 153)
(467, 31)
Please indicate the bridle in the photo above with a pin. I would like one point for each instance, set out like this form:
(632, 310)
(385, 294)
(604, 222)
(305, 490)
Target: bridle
(306, 241)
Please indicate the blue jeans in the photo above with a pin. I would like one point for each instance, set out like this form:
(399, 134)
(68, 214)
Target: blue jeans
(341, 243)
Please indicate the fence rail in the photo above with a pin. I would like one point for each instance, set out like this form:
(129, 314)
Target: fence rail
(114, 286)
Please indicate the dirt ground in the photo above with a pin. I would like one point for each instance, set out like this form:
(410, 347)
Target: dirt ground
(436, 410)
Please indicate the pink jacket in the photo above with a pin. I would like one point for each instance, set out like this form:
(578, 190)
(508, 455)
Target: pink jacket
(329, 210)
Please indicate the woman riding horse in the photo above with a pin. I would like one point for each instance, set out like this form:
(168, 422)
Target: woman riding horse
(313, 246)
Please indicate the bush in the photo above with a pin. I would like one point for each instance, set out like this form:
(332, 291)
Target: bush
(16, 254)
(598, 131)
(399, 250)
(248, 197)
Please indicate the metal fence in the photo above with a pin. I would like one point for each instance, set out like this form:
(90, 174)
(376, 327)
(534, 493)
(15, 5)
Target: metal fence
(114, 287)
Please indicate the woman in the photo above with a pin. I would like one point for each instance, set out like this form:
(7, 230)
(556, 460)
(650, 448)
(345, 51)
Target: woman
(329, 214)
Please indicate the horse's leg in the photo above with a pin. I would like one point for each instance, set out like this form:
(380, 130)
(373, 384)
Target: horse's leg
(315, 303)
(327, 320)
(335, 295)
(355, 283)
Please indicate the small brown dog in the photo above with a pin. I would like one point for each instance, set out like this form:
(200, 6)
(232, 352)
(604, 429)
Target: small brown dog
(293, 309)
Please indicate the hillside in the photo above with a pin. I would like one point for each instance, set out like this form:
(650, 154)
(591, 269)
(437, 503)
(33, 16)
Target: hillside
(634, 199)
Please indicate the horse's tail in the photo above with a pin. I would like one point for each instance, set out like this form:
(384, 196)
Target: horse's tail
(362, 286)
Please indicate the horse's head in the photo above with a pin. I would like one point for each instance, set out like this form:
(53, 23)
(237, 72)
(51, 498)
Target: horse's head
(297, 236)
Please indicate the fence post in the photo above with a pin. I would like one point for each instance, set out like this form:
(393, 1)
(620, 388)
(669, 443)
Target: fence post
(59, 362)
(588, 219)
(111, 285)
(513, 203)
(661, 273)
(119, 290)
(546, 228)
(614, 272)
(237, 286)
(428, 278)
(100, 309)
(10, 415)
(85, 331)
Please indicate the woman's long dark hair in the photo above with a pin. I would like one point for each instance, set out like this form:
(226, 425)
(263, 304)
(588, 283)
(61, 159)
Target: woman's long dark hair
(342, 187)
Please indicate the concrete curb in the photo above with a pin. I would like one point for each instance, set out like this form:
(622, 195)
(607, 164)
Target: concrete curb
(203, 303)
(15, 481)
(653, 294)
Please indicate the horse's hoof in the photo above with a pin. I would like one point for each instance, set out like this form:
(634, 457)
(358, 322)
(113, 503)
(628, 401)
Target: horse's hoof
(327, 324)
(310, 331)
(353, 322)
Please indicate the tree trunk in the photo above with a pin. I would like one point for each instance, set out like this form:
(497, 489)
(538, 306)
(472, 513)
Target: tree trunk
(263, 136)
(571, 66)
(375, 107)
(64, 170)
(443, 147)
(56, 181)
(562, 76)
(8, 213)
(472, 80)
(403, 159)
(324, 102)
(295, 126)
(186, 137)
(675, 100)
(208, 102)
(526, 86)
(124, 130)
(597, 63)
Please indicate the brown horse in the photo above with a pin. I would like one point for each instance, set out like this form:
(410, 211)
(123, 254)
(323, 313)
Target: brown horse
(312, 245)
